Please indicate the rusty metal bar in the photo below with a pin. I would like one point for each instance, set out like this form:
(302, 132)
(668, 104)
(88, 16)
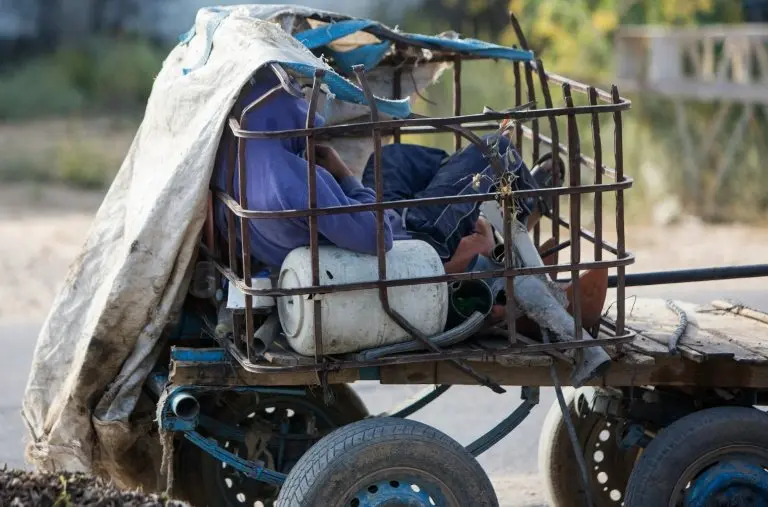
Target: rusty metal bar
(544, 80)
(447, 355)
(397, 93)
(620, 240)
(245, 241)
(400, 282)
(457, 98)
(314, 246)
(575, 204)
(598, 202)
(409, 203)
(381, 247)
(535, 138)
(605, 245)
(386, 125)
(518, 101)
(230, 189)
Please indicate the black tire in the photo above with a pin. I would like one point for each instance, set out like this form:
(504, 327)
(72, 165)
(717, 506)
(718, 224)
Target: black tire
(197, 476)
(393, 454)
(702, 438)
(609, 467)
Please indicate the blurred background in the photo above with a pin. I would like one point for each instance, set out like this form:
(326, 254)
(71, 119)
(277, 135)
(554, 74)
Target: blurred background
(75, 76)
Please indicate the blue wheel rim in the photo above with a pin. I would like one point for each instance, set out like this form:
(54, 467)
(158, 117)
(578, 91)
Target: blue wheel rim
(398, 490)
(727, 483)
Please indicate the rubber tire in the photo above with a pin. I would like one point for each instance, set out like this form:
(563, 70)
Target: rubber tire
(678, 445)
(349, 454)
(558, 467)
(190, 485)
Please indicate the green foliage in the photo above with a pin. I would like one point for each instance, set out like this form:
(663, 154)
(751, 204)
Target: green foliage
(104, 75)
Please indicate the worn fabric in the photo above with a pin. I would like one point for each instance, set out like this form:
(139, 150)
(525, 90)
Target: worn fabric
(83, 403)
(416, 172)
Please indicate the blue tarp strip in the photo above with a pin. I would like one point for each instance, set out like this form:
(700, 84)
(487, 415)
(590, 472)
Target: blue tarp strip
(323, 35)
(368, 56)
(348, 92)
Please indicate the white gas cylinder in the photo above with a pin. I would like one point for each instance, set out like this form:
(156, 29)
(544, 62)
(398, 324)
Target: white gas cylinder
(355, 320)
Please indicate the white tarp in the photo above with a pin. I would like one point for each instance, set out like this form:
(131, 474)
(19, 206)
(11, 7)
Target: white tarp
(103, 333)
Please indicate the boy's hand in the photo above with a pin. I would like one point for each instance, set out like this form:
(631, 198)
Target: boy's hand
(331, 161)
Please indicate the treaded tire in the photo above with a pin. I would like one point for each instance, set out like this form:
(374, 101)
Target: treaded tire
(344, 459)
(680, 444)
(558, 467)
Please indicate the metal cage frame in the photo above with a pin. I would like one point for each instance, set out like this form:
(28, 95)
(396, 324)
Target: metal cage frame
(599, 102)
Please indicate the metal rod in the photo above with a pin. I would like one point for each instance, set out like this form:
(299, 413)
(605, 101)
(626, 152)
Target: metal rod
(518, 101)
(245, 243)
(421, 400)
(410, 203)
(314, 246)
(535, 138)
(598, 150)
(445, 355)
(457, 98)
(713, 274)
(401, 282)
(385, 125)
(575, 207)
(619, 149)
(544, 80)
(397, 93)
(381, 251)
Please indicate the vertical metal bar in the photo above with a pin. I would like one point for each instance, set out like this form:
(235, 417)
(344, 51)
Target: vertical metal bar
(598, 148)
(536, 140)
(245, 243)
(555, 154)
(379, 183)
(457, 97)
(620, 245)
(230, 188)
(574, 168)
(509, 282)
(397, 93)
(312, 198)
(518, 101)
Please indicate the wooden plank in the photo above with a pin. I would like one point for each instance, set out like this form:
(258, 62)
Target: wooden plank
(706, 335)
(225, 374)
(670, 372)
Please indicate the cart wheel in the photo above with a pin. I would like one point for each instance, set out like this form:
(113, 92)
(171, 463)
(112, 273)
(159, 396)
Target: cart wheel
(387, 461)
(710, 458)
(609, 465)
(207, 482)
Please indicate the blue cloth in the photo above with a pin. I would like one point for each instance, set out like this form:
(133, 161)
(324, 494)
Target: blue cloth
(371, 55)
(417, 172)
(276, 180)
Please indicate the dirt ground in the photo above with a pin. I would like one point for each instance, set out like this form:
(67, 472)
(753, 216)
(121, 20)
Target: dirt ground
(42, 229)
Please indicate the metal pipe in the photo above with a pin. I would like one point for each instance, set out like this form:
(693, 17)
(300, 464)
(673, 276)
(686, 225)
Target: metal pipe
(385, 125)
(184, 406)
(691, 275)
(620, 242)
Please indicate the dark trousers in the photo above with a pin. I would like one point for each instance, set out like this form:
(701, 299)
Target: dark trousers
(416, 172)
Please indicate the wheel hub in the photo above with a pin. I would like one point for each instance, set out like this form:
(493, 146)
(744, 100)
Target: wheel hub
(392, 493)
(730, 484)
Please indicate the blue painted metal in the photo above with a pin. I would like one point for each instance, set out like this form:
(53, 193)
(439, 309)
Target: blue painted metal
(730, 483)
(253, 469)
(221, 430)
(397, 492)
(188, 355)
(370, 373)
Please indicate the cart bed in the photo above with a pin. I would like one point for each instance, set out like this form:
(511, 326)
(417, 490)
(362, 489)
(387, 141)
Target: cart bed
(722, 345)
